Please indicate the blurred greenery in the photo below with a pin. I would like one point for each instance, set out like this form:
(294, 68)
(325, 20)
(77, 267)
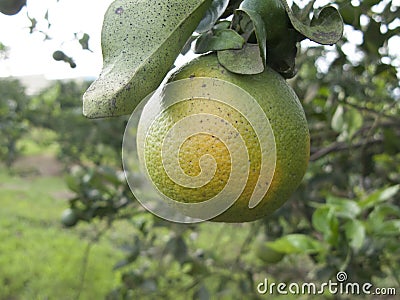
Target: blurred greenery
(39, 259)
(345, 216)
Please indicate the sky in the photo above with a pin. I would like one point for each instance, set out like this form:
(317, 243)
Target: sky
(29, 55)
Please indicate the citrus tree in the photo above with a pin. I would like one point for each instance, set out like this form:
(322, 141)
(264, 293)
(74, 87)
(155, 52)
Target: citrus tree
(345, 214)
(13, 113)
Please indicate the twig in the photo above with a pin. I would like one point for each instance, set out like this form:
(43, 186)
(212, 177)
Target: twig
(341, 146)
(85, 260)
(379, 114)
(247, 241)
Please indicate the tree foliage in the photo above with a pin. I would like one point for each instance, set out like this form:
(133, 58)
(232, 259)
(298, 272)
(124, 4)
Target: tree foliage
(13, 114)
(344, 217)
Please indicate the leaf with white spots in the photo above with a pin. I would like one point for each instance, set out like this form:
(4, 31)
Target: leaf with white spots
(140, 42)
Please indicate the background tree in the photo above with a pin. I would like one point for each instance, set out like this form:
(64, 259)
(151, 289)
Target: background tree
(13, 114)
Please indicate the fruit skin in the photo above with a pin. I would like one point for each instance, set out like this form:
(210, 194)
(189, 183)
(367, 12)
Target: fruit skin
(69, 218)
(11, 7)
(286, 116)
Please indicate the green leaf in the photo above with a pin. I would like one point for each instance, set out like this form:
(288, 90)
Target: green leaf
(61, 56)
(212, 14)
(275, 37)
(326, 26)
(302, 14)
(84, 41)
(178, 248)
(140, 43)
(201, 293)
(216, 40)
(33, 24)
(258, 28)
(338, 119)
(378, 196)
(321, 219)
(355, 233)
(188, 45)
(296, 243)
(73, 183)
(346, 121)
(350, 14)
(343, 207)
(373, 38)
(389, 228)
(353, 120)
(381, 212)
(222, 25)
(273, 16)
(325, 221)
(244, 61)
(133, 255)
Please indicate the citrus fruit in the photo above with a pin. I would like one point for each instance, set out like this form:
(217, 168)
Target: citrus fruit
(69, 217)
(240, 141)
(11, 7)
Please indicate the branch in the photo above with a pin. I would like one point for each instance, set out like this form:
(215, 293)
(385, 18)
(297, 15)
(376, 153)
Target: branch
(379, 114)
(341, 146)
(85, 260)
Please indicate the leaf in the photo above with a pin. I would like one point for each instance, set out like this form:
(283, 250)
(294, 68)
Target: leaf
(343, 207)
(222, 25)
(378, 196)
(381, 212)
(140, 43)
(46, 17)
(257, 26)
(244, 61)
(346, 122)
(337, 119)
(373, 38)
(324, 220)
(219, 40)
(355, 233)
(321, 219)
(232, 6)
(273, 16)
(73, 183)
(350, 14)
(353, 121)
(296, 243)
(282, 57)
(188, 45)
(201, 293)
(111, 176)
(388, 72)
(61, 56)
(326, 26)
(389, 228)
(212, 15)
(33, 24)
(178, 248)
(84, 41)
(133, 255)
(303, 14)
(275, 35)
